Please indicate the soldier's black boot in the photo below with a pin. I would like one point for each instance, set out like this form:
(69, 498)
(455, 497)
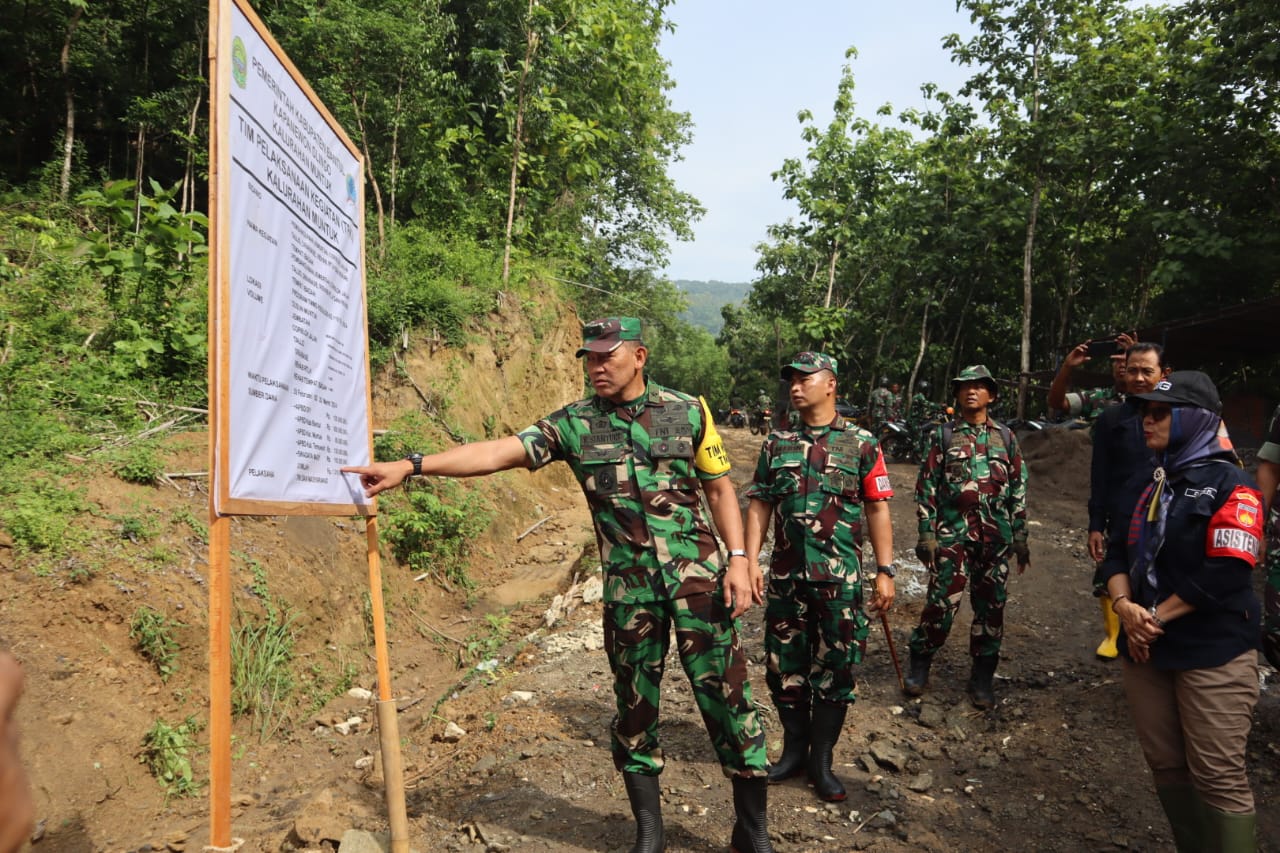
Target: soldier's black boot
(795, 744)
(646, 804)
(981, 692)
(750, 803)
(828, 720)
(918, 675)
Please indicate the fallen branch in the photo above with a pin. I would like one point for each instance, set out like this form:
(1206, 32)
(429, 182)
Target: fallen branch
(438, 632)
(533, 527)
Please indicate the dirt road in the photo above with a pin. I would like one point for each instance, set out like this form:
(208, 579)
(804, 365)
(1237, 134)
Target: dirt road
(1053, 767)
(526, 765)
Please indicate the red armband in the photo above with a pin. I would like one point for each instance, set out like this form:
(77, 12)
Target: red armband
(1236, 529)
(875, 486)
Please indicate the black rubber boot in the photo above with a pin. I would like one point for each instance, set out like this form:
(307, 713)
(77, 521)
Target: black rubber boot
(751, 829)
(646, 804)
(918, 675)
(828, 720)
(795, 744)
(981, 693)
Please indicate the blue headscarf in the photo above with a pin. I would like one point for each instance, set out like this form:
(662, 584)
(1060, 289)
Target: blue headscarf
(1195, 439)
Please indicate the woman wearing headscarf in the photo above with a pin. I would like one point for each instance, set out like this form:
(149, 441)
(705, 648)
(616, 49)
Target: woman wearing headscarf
(1180, 583)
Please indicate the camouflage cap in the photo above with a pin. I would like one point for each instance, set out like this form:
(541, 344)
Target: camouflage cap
(976, 373)
(608, 333)
(810, 362)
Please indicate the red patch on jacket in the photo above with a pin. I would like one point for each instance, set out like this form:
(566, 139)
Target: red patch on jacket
(1236, 528)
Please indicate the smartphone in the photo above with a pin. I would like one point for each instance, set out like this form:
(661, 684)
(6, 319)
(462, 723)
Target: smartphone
(1103, 349)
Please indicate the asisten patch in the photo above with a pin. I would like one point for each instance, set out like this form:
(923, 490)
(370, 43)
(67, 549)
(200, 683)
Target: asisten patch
(1236, 528)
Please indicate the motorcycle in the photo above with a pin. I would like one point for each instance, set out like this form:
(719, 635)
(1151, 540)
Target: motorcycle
(761, 420)
(897, 443)
(737, 418)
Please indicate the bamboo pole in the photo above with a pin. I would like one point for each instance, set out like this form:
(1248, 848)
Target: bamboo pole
(388, 724)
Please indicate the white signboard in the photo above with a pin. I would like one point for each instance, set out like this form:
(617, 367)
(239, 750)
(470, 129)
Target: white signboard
(295, 394)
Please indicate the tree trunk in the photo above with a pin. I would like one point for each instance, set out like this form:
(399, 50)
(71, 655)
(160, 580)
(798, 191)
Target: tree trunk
(395, 148)
(373, 179)
(915, 368)
(531, 47)
(1024, 362)
(69, 134)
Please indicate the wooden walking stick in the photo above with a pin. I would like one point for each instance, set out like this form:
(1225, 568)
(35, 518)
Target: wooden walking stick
(893, 653)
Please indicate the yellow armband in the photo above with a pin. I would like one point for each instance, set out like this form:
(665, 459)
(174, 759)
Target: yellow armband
(711, 457)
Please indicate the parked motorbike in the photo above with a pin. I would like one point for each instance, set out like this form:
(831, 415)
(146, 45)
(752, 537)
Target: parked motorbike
(737, 418)
(897, 442)
(761, 420)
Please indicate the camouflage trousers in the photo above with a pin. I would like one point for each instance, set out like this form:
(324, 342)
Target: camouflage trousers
(637, 637)
(815, 633)
(985, 567)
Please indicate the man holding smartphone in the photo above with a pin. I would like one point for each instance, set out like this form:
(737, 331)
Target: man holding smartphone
(1088, 403)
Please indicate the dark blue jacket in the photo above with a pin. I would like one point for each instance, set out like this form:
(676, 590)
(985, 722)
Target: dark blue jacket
(1120, 469)
(1227, 621)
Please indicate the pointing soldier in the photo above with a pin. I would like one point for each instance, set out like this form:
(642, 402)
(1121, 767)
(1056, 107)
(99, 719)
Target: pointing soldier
(817, 482)
(645, 457)
(971, 501)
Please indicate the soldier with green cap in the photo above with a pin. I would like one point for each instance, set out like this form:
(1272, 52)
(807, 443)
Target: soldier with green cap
(971, 501)
(646, 457)
(819, 482)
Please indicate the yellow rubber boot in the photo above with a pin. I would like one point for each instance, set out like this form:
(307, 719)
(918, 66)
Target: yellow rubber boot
(1107, 648)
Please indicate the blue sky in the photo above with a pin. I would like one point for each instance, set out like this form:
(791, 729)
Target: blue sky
(744, 68)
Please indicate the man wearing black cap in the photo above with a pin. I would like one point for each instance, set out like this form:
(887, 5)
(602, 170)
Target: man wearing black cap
(817, 482)
(646, 457)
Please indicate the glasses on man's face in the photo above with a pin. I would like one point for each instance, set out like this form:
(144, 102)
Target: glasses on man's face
(1157, 411)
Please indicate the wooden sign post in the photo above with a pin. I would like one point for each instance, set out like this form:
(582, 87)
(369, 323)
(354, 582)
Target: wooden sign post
(289, 393)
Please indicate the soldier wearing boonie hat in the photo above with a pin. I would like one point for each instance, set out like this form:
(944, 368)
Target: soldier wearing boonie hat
(650, 463)
(971, 501)
(820, 483)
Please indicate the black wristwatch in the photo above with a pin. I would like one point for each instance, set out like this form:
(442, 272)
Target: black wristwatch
(885, 570)
(416, 459)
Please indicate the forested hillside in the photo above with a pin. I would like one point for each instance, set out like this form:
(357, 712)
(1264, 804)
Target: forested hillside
(706, 298)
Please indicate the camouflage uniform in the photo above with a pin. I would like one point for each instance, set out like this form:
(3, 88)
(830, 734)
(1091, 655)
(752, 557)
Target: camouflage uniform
(1270, 452)
(882, 405)
(972, 497)
(1088, 403)
(639, 465)
(816, 479)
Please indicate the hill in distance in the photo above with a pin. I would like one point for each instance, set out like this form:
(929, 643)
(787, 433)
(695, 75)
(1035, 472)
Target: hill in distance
(706, 298)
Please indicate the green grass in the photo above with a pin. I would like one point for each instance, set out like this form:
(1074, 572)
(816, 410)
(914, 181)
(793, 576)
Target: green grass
(153, 632)
(166, 751)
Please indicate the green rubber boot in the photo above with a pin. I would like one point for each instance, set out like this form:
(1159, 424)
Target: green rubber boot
(1187, 817)
(1230, 832)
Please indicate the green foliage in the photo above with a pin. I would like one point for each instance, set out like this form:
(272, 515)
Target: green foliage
(431, 529)
(41, 514)
(138, 463)
(484, 643)
(146, 253)
(261, 668)
(430, 280)
(166, 752)
(199, 526)
(153, 633)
